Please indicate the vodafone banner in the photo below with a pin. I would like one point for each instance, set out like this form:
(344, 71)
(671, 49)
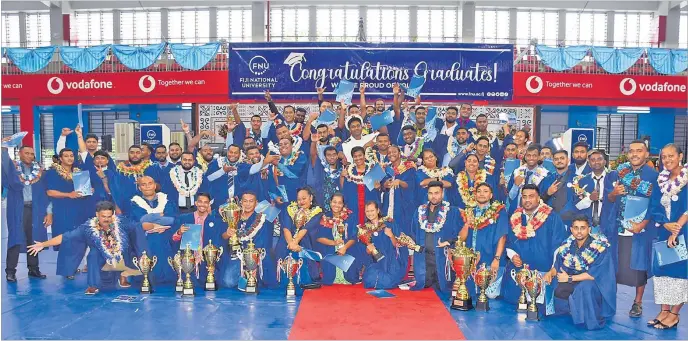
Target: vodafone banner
(116, 87)
(591, 89)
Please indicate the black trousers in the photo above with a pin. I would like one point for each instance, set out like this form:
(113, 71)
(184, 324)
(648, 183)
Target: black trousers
(13, 252)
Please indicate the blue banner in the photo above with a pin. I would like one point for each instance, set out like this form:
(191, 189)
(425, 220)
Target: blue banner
(293, 71)
(151, 134)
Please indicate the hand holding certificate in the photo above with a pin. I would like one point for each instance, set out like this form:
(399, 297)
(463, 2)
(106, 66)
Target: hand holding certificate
(82, 183)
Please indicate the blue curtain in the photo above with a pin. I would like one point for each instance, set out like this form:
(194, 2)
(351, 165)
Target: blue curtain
(562, 58)
(86, 59)
(194, 57)
(668, 62)
(31, 60)
(616, 60)
(138, 57)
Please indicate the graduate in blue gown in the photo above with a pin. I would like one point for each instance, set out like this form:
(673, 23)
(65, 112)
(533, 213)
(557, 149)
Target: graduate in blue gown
(528, 173)
(487, 158)
(222, 178)
(434, 228)
(579, 159)
(399, 196)
(156, 214)
(356, 193)
(289, 171)
(468, 180)
(326, 174)
(556, 188)
(300, 222)
(110, 239)
(253, 228)
(590, 196)
(531, 241)
(337, 235)
(126, 173)
(102, 175)
(212, 228)
(429, 172)
(178, 190)
(584, 277)
(256, 179)
(379, 236)
(485, 228)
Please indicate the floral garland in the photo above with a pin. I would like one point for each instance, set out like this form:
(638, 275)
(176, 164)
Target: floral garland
(195, 181)
(290, 161)
(583, 260)
(302, 216)
(160, 197)
(370, 228)
(357, 179)
(110, 242)
(581, 193)
(372, 155)
(245, 235)
(436, 172)
(296, 146)
(135, 170)
(632, 181)
(435, 227)
(33, 177)
(454, 148)
(64, 173)
(528, 231)
(468, 192)
(489, 217)
(539, 173)
(332, 223)
(475, 133)
(490, 164)
(670, 189)
(329, 172)
(221, 162)
(417, 149)
(403, 167)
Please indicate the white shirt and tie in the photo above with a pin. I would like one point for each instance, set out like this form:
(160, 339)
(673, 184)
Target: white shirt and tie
(586, 202)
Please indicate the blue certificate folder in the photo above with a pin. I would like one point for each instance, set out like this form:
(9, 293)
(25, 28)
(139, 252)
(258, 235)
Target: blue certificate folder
(415, 86)
(82, 182)
(15, 140)
(548, 164)
(192, 237)
(510, 165)
(635, 210)
(375, 174)
(381, 293)
(343, 262)
(344, 91)
(379, 121)
(665, 255)
(268, 209)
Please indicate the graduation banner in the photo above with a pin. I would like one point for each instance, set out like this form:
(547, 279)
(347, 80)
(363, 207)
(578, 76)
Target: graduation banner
(294, 70)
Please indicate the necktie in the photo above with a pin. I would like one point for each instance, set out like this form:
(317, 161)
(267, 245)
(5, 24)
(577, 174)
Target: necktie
(230, 183)
(596, 205)
(528, 175)
(188, 198)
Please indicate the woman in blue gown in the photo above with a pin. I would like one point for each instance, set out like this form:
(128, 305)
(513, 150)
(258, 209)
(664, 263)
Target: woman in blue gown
(468, 180)
(430, 171)
(399, 190)
(337, 236)
(379, 235)
(356, 193)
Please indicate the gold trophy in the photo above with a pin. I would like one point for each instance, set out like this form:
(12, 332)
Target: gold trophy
(212, 255)
(145, 265)
(291, 268)
(231, 213)
(409, 243)
(463, 260)
(188, 266)
(482, 277)
(176, 264)
(520, 277)
(367, 239)
(251, 261)
(533, 285)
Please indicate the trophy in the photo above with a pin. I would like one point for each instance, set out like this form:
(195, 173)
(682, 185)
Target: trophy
(145, 265)
(176, 264)
(251, 260)
(231, 212)
(212, 255)
(291, 268)
(463, 260)
(482, 278)
(365, 238)
(520, 277)
(533, 285)
(188, 265)
(409, 243)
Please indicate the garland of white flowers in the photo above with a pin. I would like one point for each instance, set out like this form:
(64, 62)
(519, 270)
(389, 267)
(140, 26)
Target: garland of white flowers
(539, 173)
(253, 229)
(195, 181)
(160, 197)
(113, 254)
(671, 188)
(437, 172)
(33, 177)
(474, 132)
(357, 179)
(454, 148)
(221, 162)
(441, 218)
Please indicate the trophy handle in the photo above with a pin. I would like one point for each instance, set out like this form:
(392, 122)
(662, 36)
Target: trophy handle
(262, 254)
(136, 263)
(155, 261)
(513, 276)
(170, 261)
(219, 253)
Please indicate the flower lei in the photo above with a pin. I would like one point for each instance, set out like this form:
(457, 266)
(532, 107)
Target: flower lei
(290, 161)
(244, 234)
(357, 179)
(437, 172)
(33, 177)
(417, 148)
(632, 181)
(333, 222)
(577, 190)
(332, 174)
(403, 167)
(475, 133)
(221, 162)
(489, 217)
(64, 173)
(371, 155)
(528, 231)
(468, 192)
(202, 162)
(582, 261)
(302, 216)
(160, 197)
(109, 243)
(370, 228)
(135, 170)
(670, 189)
(490, 164)
(296, 146)
(539, 173)
(426, 226)
(454, 148)
(195, 181)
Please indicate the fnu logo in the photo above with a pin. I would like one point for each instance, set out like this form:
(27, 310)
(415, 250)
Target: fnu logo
(258, 65)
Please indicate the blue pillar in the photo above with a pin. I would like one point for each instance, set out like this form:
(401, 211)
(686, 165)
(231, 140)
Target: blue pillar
(659, 126)
(582, 117)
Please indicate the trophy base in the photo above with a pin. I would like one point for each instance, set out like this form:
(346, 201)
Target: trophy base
(212, 286)
(178, 289)
(251, 290)
(291, 294)
(532, 316)
(188, 292)
(482, 306)
(146, 290)
(463, 305)
(453, 294)
(522, 308)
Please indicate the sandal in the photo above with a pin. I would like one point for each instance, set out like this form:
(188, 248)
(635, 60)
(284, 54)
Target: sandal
(663, 326)
(655, 321)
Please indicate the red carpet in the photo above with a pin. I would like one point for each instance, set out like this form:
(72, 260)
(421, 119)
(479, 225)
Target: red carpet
(347, 312)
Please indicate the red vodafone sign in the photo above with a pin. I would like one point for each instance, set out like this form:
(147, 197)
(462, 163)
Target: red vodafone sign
(591, 89)
(123, 87)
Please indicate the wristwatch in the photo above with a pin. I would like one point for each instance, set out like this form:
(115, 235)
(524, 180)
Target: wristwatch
(570, 279)
(497, 257)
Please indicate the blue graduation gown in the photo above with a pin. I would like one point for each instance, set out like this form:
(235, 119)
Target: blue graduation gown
(592, 302)
(292, 185)
(67, 213)
(404, 199)
(388, 272)
(330, 271)
(448, 232)
(569, 210)
(678, 207)
(262, 240)
(219, 188)
(422, 192)
(255, 183)
(588, 183)
(325, 185)
(309, 270)
(354, 202)
(124, 187)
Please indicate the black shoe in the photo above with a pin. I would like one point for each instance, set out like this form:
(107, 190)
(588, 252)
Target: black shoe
(311, 286)
(35, 273)
(11, 278)
(71, 278)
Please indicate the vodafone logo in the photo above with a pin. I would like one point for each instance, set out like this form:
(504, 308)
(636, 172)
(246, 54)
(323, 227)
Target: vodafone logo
(147, 79)
(538, 86)
(55, 85)
(628, 91)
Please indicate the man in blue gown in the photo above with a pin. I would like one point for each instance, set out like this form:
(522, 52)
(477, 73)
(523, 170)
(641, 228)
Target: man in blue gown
(556, 189)
(579, 158)
(126, 173)
(590, 192)
(585, 277)
(222, 178)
